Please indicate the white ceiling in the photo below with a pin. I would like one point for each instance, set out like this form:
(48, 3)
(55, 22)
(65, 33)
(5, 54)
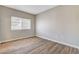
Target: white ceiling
(32, 9)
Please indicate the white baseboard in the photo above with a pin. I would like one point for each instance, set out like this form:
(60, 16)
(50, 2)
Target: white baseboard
(64, 43)
(14, 39)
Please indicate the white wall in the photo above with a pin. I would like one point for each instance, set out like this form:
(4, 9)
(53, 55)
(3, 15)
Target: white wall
(5, 24)
(59, 24)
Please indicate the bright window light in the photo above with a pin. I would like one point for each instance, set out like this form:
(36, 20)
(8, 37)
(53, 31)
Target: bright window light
(18, 23)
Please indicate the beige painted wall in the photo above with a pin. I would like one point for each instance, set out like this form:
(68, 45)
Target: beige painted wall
(60, 24)
(5, 24)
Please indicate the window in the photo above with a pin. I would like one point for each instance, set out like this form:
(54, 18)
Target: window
(18, 23)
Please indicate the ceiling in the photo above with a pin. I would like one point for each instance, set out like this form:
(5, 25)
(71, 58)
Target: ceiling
(32, 9)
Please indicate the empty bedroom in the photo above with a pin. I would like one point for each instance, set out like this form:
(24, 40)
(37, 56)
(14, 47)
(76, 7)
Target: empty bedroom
(39, 29)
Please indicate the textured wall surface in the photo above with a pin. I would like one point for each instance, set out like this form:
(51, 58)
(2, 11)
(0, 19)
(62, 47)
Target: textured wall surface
(5, 24)
(60, 23)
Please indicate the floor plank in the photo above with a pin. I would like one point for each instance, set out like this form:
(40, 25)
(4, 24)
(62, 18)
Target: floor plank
(35, 45)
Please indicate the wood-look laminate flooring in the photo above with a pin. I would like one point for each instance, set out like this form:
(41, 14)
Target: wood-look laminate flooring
(35, 45)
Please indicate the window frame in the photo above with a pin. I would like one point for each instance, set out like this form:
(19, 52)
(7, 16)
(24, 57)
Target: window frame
(30, 22)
